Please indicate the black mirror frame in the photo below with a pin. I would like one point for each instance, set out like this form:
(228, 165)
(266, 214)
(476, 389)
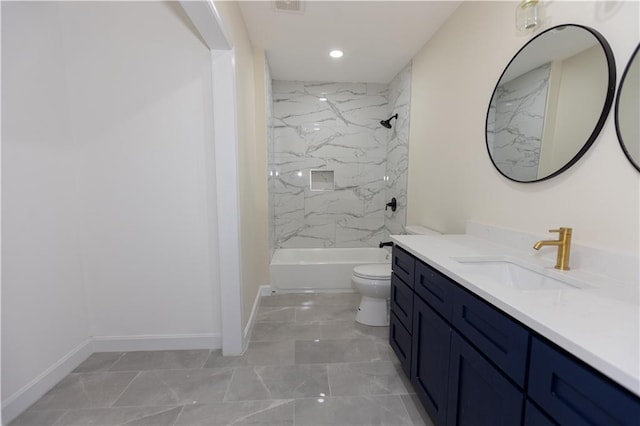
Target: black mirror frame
(634, 55)
(611, 89)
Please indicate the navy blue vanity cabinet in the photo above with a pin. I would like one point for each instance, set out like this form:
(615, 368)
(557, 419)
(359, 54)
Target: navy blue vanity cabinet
(574, 394)
(472, 364)
(430, 360)
(401, 307)
(479, 394)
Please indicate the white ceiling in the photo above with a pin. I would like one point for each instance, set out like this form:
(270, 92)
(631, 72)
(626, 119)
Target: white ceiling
(378, 37)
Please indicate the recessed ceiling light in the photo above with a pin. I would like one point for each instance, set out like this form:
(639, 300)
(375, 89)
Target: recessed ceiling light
(336, 53)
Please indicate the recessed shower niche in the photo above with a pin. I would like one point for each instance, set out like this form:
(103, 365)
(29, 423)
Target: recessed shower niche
(321, 180)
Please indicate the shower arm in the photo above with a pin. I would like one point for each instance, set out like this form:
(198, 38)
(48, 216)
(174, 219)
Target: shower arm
(387, 123)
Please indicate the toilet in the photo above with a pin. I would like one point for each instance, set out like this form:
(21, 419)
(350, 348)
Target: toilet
(373, 282)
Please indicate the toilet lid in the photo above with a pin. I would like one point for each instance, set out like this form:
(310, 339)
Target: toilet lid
(376, 271)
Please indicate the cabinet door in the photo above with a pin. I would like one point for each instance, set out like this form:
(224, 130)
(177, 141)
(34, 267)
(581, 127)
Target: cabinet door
(402, 301)
(400, 341)
(434, 288)
(430, 360)
(478, 392)
(499, 337)
(402, 264)
(574, 394)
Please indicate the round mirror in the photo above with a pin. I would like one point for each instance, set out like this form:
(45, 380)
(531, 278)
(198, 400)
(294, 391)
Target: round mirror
(550, 103)
(628, 110)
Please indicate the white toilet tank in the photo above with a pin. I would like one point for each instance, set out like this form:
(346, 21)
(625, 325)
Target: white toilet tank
(420, 230)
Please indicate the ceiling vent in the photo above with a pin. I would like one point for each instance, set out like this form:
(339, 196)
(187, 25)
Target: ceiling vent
(291, 6)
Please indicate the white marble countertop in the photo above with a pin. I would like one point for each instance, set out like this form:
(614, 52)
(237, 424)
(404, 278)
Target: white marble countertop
(599, 325)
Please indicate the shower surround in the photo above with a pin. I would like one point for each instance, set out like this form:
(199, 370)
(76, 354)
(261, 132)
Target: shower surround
(336, 127)
(398, 151)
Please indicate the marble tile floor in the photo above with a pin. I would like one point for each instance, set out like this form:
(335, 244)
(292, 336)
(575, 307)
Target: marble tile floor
(308, 363)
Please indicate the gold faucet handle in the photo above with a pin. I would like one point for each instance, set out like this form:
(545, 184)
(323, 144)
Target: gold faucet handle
(562, 231)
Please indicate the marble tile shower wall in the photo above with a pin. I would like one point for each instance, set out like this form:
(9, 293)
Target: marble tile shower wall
(398, 151)
(343, 134)
(516, 122)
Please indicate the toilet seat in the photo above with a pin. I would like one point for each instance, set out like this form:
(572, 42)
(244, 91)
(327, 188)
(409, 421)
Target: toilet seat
(377, 271)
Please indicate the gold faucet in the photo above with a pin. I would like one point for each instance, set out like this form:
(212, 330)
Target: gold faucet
(564, 247)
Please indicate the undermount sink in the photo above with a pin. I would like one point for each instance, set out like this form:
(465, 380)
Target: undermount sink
(517, 274)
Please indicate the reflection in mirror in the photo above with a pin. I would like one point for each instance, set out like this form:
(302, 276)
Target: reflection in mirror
(628, 110)
(550, 103)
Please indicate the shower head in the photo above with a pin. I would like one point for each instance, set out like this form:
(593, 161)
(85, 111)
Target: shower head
(387, 123)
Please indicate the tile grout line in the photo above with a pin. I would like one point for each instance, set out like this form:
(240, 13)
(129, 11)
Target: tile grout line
(205, 359)
(122, 354)
(407, 410)
(116, 361)
(233, 373)
(125, 389)
(57, 422)
(178, 416)
(326, 366)
(293, 416)
(295, 321)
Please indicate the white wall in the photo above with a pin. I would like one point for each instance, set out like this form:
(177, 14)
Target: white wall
(141, 107)
(578, 76)
(44, 309)
(451, 178)
(629, 109)
(107, 203)
(252, 155)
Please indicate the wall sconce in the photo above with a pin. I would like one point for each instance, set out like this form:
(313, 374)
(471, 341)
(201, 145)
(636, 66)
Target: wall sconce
(528, 15)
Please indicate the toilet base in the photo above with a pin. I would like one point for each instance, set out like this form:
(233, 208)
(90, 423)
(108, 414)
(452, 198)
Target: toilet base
(373, 311)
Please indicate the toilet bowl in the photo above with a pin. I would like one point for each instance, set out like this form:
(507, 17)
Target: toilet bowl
(373, 282)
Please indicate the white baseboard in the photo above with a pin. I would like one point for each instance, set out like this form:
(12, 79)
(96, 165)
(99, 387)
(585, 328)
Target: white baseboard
(163, 342)
(262, 291)
(15, 404)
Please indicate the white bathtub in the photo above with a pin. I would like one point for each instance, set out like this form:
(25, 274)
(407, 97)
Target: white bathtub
(320, 269)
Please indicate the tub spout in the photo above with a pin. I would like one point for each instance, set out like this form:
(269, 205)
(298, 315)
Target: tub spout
(393, 204)
(386, 244)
